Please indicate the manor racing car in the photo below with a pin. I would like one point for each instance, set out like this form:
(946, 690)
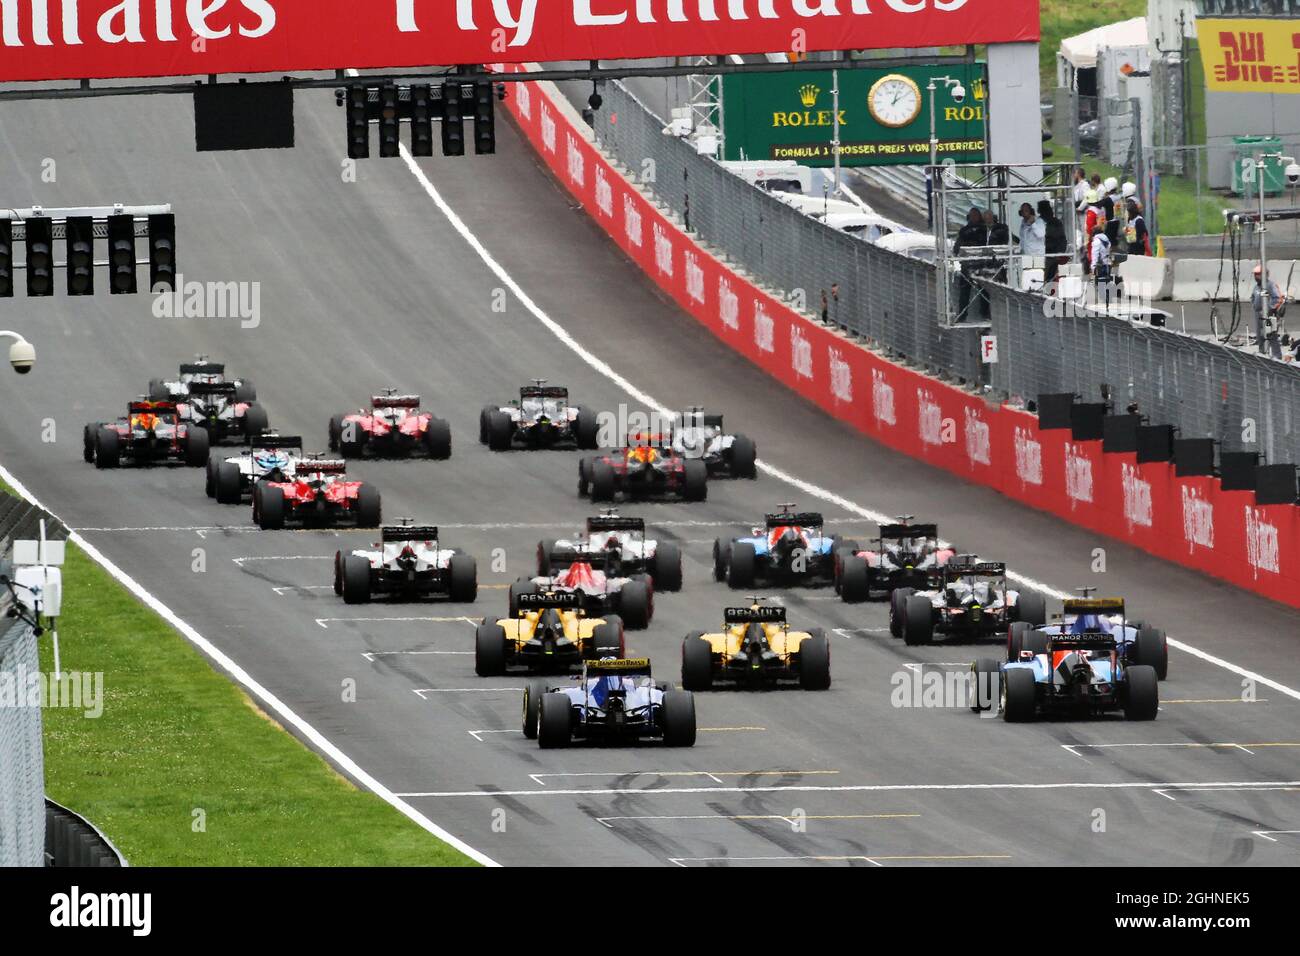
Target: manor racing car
(1076, 669)
(317, 495)
(598, 583)
(1137, 642)
(698, 435)
(612, 701)
(150, 433)
(647, 467)
(968, 599)
(200, 371)
(408, 563)
(904, 556)
(215, 407)
(268, 458)
(393, 426)
(620, 544)
(790, 548)
(755, 648)
(541, 418)
(549, 633)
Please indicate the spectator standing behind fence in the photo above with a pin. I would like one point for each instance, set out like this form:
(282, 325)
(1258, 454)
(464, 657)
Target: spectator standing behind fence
(1091, 216)
(1269, 306)
(1112, 206)
(1033, 233)
(972, 235)
(1136, 236)
(1080, 186)
(1099, 252)
(1054, 239)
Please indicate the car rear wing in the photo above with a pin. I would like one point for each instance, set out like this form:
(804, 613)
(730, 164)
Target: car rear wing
(901, 531)
(795, 519)
(614, 523)
(1081, 642)
(395, 401)
(325, 466)
(768, 614)
(649, 440)
(990, 569)
(203, 368)
(151, 408)
(212, 388)
(698, 418)
(623, 667)
(271, 442)
(544, 391)
(537, 601)
(1094, 606)
(413, 532)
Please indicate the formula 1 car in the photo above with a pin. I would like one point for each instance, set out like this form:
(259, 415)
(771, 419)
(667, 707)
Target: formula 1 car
(541, 418)
(755, 648)
(549, 633)
(613, 701)
(701, 436)
(269, 457)
(647, 467)
(1138, 643)
(621, 542)
(394, 425)
(151, 433)
(904, 556)
(1079, 668)
(598, 582)
(967, 599)
(215, 407)
(318, 494)
(408, 563)
(790, 548)
(200, 371)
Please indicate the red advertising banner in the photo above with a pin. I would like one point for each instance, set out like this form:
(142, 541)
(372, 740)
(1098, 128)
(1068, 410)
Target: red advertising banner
(97, 39)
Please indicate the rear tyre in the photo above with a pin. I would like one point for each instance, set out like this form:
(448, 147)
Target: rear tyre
(854, 579)
(500, 431)
(554, 721)
(210, 479)
(636, 605)
(697, 662)
(88, 442)
(607, 638)
(245, 391)
(545, 548)
(356, 580)
(678, 715)
(158, 391)
(815, 661)
(269, 504)
(370, 510)
(108, 449)
(584, 477)
(1034, 641)
(336, 432)
(666, 568)
(1019, 695)
(533, 692)
(227, 488)
(484, 429)
(197, 444)
(255, 421)
(1016, 639)
(586, 429)
(695, 480)
(338, 573)
(741, 570)
(721, 559)
(744, 456)
(897, 609)
(437, 439)
(984, 676)
(463, 574)
(918, 620)
(1031, 607)
(520, 587)
(602, 481)
(489, 650)
(1153, 650)
(1143, 698)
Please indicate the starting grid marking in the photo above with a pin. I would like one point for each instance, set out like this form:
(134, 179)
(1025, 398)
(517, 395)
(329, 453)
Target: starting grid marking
(608, 822)
(1246, 748)
(714, 775)
(325, 622)
(853, 520)
(682, 861)
(420, 692)
(477, 734)
(1229, 789)
(371, 655)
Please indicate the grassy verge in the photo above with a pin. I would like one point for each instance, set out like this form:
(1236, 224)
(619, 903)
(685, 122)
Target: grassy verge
(175, 737)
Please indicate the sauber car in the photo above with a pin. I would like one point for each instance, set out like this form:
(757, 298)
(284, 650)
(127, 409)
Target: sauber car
(215, 407)
(967, 599)
(151, 433)
(392, 426)
(599, 583)
(318, 494)
(550, 632)
(611, 701)
(904, 556)
(541, 418)
(646, 467)
(789, 548)
(408, 563)
(756, 648)
(701, 436)
(269, 457)
(621, 545)
(199, 371)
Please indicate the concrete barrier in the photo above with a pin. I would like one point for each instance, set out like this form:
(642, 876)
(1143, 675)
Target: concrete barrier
(1147, 276)
(1198, 280)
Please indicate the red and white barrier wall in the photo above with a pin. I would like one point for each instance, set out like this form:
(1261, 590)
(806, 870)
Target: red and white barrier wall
(1186, 520)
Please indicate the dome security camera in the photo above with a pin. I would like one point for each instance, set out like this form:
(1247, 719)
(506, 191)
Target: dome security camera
(22, 356)
(1293, 173)
(958, 93)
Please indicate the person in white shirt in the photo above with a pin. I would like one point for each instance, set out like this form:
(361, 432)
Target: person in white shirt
(1099, 259)
(1033, 232)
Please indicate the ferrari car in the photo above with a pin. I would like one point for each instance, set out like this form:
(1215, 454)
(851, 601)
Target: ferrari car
(1082, 667)
(701, 436)
(200, 371)
(790, 547)
(392, 426)
(621, 542)
(216, 408)
(646, 467)
(269, 457)
(600, 584)
(408, 563)
(756, 648)
(150, 433)
(550, 632)
(318, 494)
(611, 701)
(967, 599)
(904, 555)
(541, 418)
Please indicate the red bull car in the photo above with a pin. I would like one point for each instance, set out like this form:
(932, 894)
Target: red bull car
(904, 555)
(647, 467)
(318, 494)
(151, 433)
(393, 426)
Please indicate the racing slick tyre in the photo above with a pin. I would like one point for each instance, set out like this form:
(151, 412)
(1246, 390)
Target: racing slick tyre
(500, 430)
(607, 638)
(268, 503)
(489, 650)
(245, 392)
(666, 567)
(897, 609)
(1031, 607)
(463, 579)
(695, 480)
(256, 421)
(545, 548)
(356, 580)
(1016, 639)
(522, 586)
(338, 573)
(370, 507)
(721, 559)
(636, 604)
(815, 661)
(554, 721)
(584, 477)
(210, 481)
(1034, 641)
(1153, 650)
(197, 444)
(1143, 697)
(744, 455)
(1019, 695)
(740, 569)
(226, 488)
(158, 391)
(855, 581)
(533, 692)
(697, 662)
(678, 716)
(88, 442)
(602, 481)
(336, 431)
(108, 449)
(437, 439)
(985, 674)
(918, 620)
(586, 429)
(352, 440)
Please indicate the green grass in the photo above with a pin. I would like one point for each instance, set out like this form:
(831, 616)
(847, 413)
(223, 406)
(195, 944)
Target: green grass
(1064, 18)
(176, 737)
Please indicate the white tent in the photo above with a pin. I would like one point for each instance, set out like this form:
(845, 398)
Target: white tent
(1080, 51)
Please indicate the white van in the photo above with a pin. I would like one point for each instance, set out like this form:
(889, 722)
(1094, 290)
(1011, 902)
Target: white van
(865, 226)
(821, 205)
(775, 175)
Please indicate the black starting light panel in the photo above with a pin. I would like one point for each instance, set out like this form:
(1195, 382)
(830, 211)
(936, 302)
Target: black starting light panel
(229, 116)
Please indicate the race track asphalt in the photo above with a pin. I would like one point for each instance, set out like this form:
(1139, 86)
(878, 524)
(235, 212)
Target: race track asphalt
(366, 284)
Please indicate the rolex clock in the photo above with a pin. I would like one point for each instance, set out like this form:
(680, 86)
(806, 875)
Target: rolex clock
(894, 100)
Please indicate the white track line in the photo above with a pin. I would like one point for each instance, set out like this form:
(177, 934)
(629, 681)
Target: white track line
(814, 491)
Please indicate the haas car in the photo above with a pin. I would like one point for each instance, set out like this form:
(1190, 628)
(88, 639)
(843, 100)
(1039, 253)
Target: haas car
(318, 494)
(199, 372)
(611, 701)
(548, 633)
(151, 433)
(790, 548)
(215, 407)
(647, 467)
(967, 599)
(621, 545)
(541, 418)
(756, 648)
(1085, 666)
(904, 555)
(408, 563)
(700, 436)
(393, 426)
(268, 457)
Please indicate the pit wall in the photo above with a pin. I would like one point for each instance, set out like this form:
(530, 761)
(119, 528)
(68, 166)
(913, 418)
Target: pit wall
(1189, 521)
